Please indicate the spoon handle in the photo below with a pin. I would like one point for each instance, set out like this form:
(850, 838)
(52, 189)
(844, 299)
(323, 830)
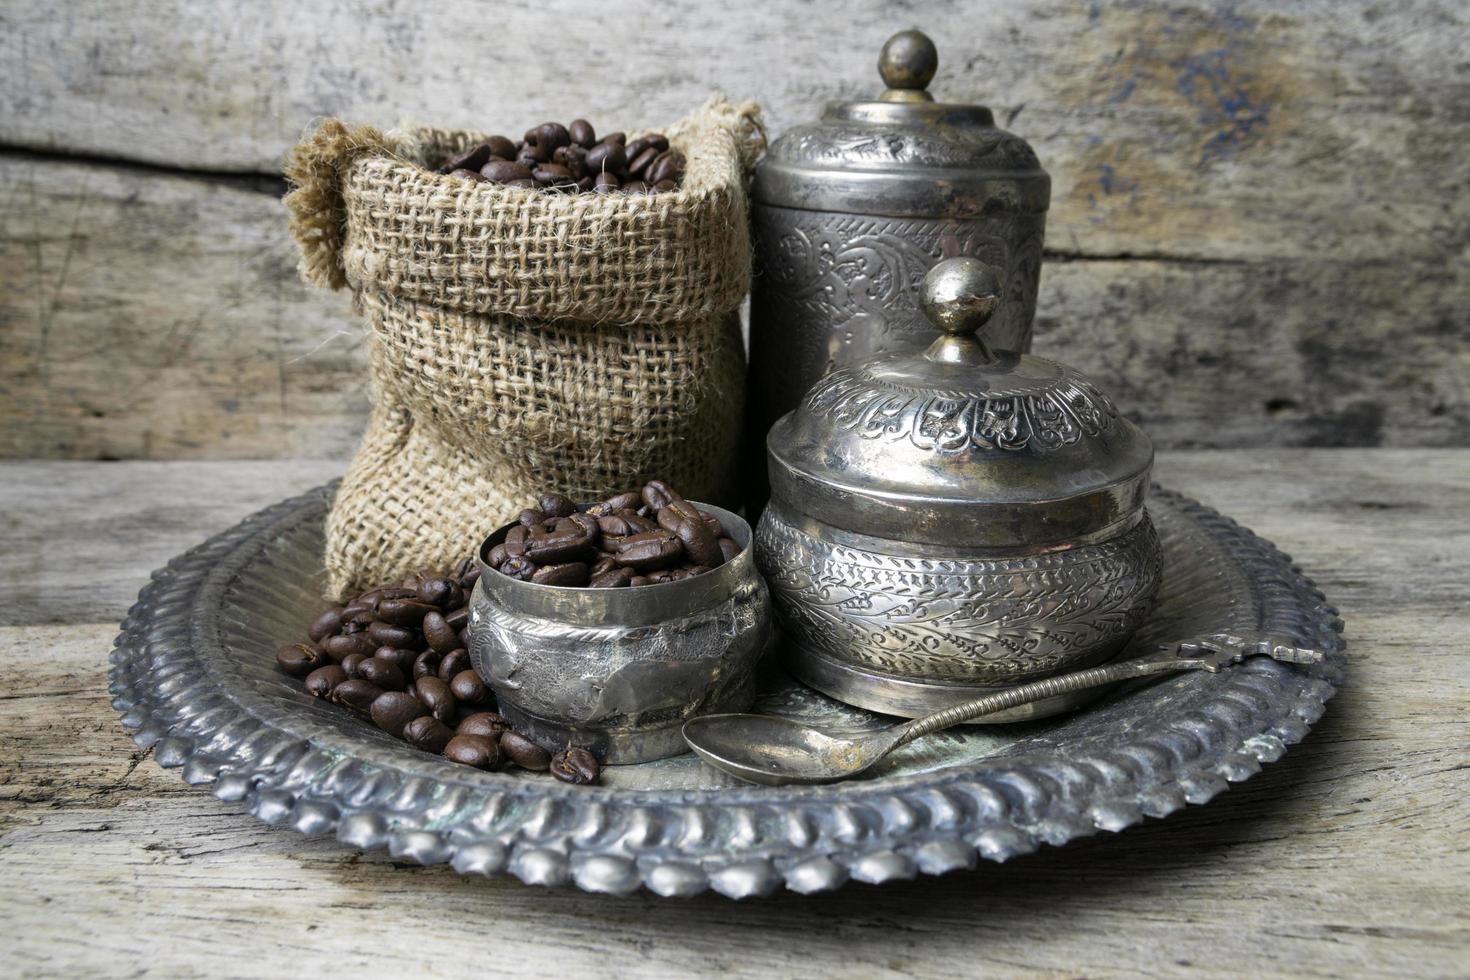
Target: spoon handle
(1201, 653)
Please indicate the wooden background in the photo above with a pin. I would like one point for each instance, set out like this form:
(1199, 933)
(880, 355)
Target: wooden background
(1258, 235)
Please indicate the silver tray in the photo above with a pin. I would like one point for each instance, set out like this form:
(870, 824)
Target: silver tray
(193, 676)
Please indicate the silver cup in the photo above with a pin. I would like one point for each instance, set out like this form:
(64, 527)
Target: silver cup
(618, 671)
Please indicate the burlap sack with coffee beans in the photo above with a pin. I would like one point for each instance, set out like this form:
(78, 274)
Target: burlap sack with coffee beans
(523, 341)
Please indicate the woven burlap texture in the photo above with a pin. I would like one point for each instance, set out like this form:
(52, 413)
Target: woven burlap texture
(522, 341)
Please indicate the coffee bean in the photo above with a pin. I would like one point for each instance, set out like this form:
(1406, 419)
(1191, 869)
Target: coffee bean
(639, 165)
(549, 135)
(615, 579)
(457, 619)
(657, 495)
(387, 635)
(472, 159)
(530, 517)
(617, 136)
(383, 673)
(427, 664)
(606, 158)
(664, 186)
(515, 541)
(504, 172)
(427, 733)
(729, 549)
(391, 710)
(327, 624)
(659, 142)
(570, 573)
(436, 696)
(300, 659)
(439, 634)
(702, 547)
(606, 183)
(554, 174)
(320, 682)
(575, 765)
(574, 544)
(582, 133)
(352, 664)
(649, 550)
(468, 688)
(453, 663)
(355, 609)
(345, 644)
(634, 187)
(473, 750)
(466, 175)
(437, 591)
(483, 723)
(403, 612)
(398, 657)
(623, 501)
(636, 147)
(519, 568)
(356, 695)
(525, 753)
(497, 556)
(638, 580)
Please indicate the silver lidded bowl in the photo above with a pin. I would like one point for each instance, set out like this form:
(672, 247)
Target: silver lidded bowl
(618, 671)
(947, 523)
(849, 212)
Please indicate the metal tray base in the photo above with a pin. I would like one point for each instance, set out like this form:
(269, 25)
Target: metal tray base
(194, 678)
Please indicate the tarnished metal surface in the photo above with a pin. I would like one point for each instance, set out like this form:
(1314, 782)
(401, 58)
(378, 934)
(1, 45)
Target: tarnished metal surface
(194, 677)
(850, 211)
(618, 671)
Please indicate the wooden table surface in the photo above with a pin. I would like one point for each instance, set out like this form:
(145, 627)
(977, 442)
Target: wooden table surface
(1349, 857)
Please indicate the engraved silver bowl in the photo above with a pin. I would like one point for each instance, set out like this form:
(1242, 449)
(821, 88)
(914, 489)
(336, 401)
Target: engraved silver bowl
(619, 671)
(948, 523)
(194, 679)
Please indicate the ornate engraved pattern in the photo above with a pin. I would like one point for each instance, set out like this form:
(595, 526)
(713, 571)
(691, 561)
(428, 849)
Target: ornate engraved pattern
(971, 147)
(997, 621)
(192, 677)
(951, 422)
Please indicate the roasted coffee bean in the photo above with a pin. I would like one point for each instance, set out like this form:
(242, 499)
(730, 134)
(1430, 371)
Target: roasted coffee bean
(659, 169)
(427, 664)
(573, 157)
(464, 567)
(466, 174)
(639, 165)
(399, 657)
(437, 697)
(602, 566)
(606, 183)
(453, 663)
(391, 710)
(618, 524)
(486, 723)
(387, 635)
(473, 750)
(530, 518)
(657, 495)
(582, 133)
(549, 135)
(497, 556)
(468, 688)
(515, 541)
(570, 573)
(636, 147)
(437, 591)
(352, 664)
(320, 682)
(606, 158)
(411, 583)
(404, 612)
(728, 548)
(552, 173)
(427, 733)
(439, 634)
(522, 568)
(300, 659)
(345, 644)
(634, 187)
(504, 171)
(326, 624)
(664, 186)
(575, 765)
(501, 147)
(355, 610)
(616, 136)
(649, 550)
(638, 580)
(472, 159)
(659, 142)
(702, 547)
(712, 522)
(383, 673)
(623, 501)
(457, 619)
(560, 546)
(356, 695)
(617, 578)
(525, 753)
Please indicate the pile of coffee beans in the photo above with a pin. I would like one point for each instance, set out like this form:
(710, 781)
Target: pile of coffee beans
(397, 655)
(641, 537)
(571, 159)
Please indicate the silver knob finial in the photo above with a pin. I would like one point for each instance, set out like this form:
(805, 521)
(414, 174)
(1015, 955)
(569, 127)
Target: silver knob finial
(960, 295)
(907, 64)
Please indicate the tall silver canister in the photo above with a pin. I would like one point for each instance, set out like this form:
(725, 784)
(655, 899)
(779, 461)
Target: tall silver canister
(852, 210)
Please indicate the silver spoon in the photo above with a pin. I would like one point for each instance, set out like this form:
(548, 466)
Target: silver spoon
(776, 751)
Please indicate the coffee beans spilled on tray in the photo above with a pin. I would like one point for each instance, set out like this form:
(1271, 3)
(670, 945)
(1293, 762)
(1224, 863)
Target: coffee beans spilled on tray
(397, 656)
(641, 537)
(573, 160)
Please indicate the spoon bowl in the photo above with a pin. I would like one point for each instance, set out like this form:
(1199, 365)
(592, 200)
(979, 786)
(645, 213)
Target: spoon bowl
(776, 751)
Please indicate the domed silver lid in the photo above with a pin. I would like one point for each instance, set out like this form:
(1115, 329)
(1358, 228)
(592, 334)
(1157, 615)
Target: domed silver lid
(904, 154)
(961, 445)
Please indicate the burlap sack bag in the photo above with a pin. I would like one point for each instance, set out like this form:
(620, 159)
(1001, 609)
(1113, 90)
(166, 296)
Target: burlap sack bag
(523, 341)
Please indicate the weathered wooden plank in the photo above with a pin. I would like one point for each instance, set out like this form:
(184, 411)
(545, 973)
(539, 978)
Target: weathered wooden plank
(1256, 130)
(155, 316)
(1346, 858)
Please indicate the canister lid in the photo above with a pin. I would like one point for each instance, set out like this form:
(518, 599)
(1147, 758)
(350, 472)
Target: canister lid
(904, 154)
(961, 445)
